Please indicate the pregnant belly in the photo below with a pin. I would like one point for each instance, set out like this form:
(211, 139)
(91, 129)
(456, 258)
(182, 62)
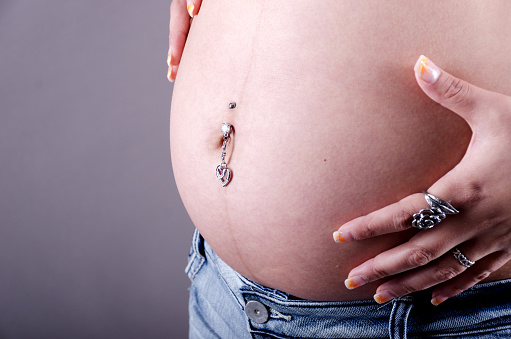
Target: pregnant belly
(329, 125)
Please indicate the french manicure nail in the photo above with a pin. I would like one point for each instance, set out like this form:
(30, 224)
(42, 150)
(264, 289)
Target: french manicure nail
(190, 7)
(354, 282)
(342, 236)
(438, 300)
(427, 70)
(337, 236)
(383, 297)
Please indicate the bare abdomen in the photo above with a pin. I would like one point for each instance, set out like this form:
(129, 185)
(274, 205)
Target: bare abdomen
(329, 125)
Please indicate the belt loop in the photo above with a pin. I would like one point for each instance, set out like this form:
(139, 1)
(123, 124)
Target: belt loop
(197, 255)
(198, 243)
(399, 317)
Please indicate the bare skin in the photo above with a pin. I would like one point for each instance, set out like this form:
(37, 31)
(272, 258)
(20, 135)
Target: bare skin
(480, 187)
(329, 126)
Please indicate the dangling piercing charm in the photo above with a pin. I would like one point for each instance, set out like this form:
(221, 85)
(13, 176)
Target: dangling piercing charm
(223, 173)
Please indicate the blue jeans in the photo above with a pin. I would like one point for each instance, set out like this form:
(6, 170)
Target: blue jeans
(224, 304)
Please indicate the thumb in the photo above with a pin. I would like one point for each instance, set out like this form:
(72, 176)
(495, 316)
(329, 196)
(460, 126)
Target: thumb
(455, 94)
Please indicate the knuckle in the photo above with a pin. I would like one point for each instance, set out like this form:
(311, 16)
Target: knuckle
(445, 273)
(470, 191)
(400, 219)
(455, 91)
(420, 257)
(482, 276)
(456, 290)
(379, 272)
(505, 252)
(452, 290)
(490, 222)
(368, 229)
(407, 288)
(473, 192)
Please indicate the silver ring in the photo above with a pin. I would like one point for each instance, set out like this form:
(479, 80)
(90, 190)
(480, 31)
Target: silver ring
(429, 217)
(461, 258)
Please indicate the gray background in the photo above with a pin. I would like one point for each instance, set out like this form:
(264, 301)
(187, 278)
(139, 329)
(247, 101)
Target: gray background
(93, 235)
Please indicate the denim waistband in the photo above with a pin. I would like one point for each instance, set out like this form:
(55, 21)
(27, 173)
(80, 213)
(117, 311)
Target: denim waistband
(482, 309)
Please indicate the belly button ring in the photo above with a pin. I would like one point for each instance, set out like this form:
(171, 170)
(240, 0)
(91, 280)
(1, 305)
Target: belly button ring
(223, 173)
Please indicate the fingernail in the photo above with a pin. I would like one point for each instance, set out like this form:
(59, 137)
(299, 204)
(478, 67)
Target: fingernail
(190, 7)
(354, 282)
(337, 236)
(383, 297)
(169, 57)
(427, 70)
(342, 236)
(169, 75)
(438, 300)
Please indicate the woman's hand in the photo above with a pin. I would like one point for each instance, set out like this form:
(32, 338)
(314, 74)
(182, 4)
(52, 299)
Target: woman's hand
(181, 15)
(479, 187)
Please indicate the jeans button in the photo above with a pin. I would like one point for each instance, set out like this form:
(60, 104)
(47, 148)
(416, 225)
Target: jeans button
(256, 312)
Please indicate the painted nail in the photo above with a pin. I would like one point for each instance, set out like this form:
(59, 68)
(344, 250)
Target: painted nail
(438, 300)
(342, 236)
(427, 70)
(190, 7)
(337, 236)
(383, 297)
(169, 57)
(169, 75)
(354, 282)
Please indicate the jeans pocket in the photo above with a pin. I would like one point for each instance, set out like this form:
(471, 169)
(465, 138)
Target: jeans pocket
(196, 257)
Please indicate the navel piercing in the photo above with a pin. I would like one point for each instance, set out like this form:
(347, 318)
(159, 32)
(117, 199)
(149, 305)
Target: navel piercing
(232, 105)
(223, 173)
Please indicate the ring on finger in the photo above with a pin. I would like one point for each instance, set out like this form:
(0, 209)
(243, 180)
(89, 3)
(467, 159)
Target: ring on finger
(462, 259)
(429, 217)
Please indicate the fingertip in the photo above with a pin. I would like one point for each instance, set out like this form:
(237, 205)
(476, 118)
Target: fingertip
(451, 92)
(354, 282)
(384, 296)
(426, 70)
(173, 57)
(435, 301)
(336, 236)
(171, 73)
(343, 236)
(190, 7)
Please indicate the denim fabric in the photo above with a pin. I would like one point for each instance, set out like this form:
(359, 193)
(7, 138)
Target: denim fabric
(218, 296)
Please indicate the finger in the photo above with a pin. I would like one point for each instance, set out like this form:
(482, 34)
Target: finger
(444, 269)
(171, 73)
(478, 272)
(390, 219)
(178, 31)
(193, 7)
(459, 96)
(419, 251)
